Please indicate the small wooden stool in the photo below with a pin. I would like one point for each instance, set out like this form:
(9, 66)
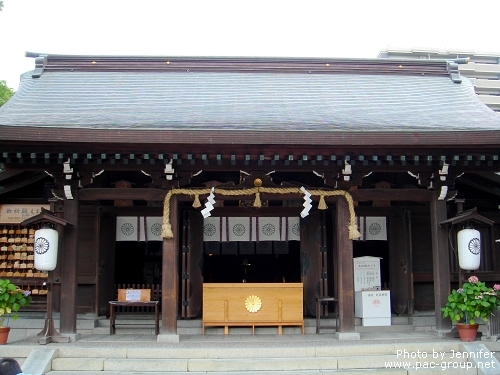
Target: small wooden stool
(319, 302)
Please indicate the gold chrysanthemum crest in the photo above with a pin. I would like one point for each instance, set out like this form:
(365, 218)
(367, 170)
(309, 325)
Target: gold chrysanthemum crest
(253, 303)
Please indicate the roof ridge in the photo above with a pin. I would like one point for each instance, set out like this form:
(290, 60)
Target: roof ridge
(306, 65)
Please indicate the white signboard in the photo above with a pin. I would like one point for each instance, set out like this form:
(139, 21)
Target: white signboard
(133, 295)
(366, 273)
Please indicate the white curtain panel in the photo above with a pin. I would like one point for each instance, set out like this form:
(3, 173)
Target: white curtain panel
(239, 228)
(127, 229)
(211, 229)
(152, 231)
(269, 229)
(376, 228)
(290, 228)
(243, 229)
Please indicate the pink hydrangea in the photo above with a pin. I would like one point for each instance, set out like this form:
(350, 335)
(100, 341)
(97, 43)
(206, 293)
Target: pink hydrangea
(496, 287)
(473, 280)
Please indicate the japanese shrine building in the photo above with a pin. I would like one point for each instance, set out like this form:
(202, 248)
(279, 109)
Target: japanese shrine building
(102, 138)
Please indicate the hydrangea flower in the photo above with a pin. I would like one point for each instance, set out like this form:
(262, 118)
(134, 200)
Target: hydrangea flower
(472, 302)
(473, 280)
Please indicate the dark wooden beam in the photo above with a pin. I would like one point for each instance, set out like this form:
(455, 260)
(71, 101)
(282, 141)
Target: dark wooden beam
(95, 194)
(150, 194)
(170, 275)
(69, 269)
(441, 261)
(344, 268)
(159, 139)
(414, 195)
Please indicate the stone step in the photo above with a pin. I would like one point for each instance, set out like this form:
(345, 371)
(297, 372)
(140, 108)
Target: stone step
(264, 358)
(265, 365)
(294, 372)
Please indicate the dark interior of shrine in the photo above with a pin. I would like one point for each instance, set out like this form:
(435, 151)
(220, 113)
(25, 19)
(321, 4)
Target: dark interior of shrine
(253, 267)
(140, 263)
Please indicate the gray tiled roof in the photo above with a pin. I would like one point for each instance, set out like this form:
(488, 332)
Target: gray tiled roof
(262, 101)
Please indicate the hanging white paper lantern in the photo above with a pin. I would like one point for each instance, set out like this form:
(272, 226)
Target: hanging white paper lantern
(46, 242)
(469, 249)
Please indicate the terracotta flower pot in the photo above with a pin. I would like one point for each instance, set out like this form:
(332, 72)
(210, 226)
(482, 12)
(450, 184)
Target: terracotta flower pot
(4, 335)
(467, 332)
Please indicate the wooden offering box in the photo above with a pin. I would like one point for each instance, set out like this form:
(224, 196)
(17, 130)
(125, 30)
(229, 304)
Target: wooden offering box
(134, 295)
(253, 304)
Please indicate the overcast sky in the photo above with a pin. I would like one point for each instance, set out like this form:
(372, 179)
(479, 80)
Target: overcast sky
(309, 28)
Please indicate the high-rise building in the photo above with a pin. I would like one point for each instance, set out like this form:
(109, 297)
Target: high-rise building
(483, 69)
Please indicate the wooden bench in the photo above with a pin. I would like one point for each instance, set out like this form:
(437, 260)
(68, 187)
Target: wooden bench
(251, 304)
(114, 304)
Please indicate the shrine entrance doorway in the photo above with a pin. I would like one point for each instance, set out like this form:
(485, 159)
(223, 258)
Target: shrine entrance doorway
(301, 260)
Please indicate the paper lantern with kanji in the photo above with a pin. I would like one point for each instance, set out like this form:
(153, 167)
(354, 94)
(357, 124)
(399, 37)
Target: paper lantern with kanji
(469, 249)
(46, 243)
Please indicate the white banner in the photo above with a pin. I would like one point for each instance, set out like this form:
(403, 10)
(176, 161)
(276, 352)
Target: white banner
(269, 229)
(211, 229)
(152, 228)
(376, 228)
(290, 229)
(239, 228)
(139, 228)
(126, 228)
(243, 229)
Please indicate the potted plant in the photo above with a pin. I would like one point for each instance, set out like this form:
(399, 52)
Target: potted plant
(12, 298)
(466, 305)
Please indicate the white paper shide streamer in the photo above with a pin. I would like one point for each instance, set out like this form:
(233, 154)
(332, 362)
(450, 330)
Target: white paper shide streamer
(307, 202)
(209, 206)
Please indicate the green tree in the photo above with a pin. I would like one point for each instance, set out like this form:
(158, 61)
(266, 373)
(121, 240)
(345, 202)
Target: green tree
(1, 5)
(5, 93)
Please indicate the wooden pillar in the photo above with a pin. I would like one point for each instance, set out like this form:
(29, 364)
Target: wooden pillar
(69, 270)
(344, 268)
(170, 275)
(440, 261)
